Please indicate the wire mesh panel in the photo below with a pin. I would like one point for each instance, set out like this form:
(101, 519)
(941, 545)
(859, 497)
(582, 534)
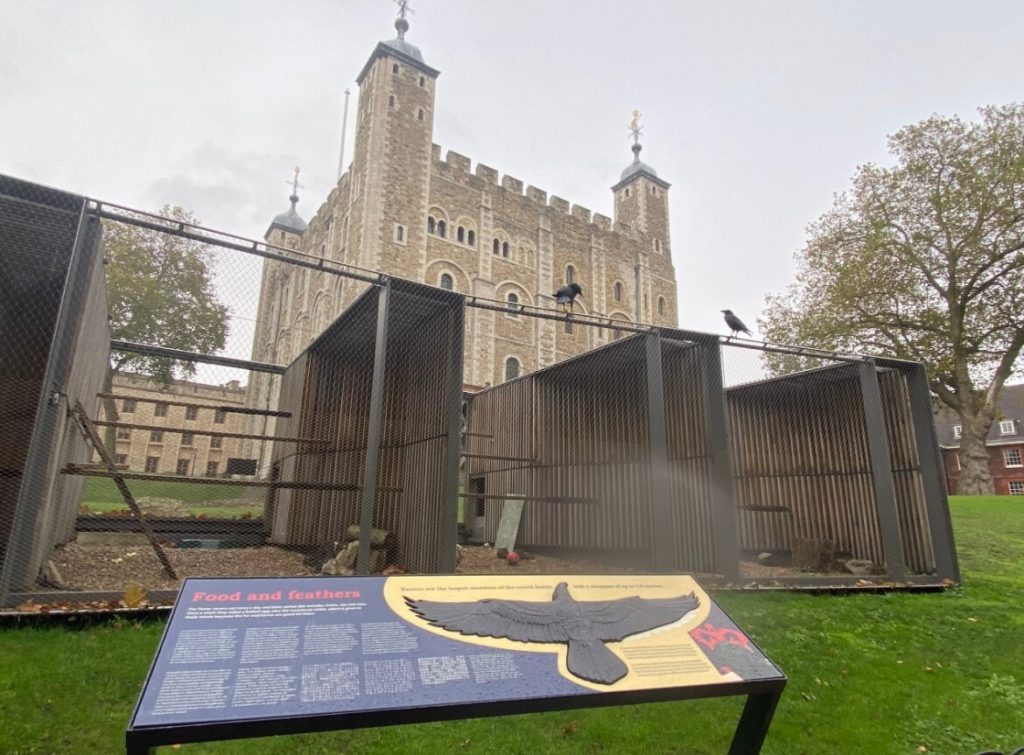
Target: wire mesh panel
(250, 409)
(53, 347)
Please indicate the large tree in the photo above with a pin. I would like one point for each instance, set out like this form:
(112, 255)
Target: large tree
(924, 260)
(160, 290)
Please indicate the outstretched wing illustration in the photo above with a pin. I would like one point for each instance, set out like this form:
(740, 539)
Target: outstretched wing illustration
(615, 620)
(583, 625)
(519, 620)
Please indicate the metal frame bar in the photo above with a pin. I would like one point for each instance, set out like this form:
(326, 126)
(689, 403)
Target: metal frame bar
(929, 459)
(662, 547)
(374, 431)
(724, 520)
(881, 471)
(198, 431)
(191, 356)
(448, 534)
(226, 409)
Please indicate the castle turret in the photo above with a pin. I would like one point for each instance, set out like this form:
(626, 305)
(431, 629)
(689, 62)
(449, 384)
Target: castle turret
(391, 163)
(641, 198)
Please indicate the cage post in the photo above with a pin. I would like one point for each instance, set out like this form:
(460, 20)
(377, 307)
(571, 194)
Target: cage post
(936, 504)
(881, 470)
(661, 501)
(723, 509)
(448, 536)
(374, 431)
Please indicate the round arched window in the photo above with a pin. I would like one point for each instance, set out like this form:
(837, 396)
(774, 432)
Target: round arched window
(511, 368)
(447, 282)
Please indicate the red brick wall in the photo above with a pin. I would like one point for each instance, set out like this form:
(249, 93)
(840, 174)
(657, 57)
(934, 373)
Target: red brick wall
(1001, 474)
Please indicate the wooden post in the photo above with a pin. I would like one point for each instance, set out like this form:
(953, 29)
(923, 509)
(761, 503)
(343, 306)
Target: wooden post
(90, 432)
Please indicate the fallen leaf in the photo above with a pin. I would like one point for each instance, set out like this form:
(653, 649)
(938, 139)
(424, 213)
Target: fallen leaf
(927, 668)
(922, 748)
(465, 743)
(972, 619)
(134, 596)
(570, 728)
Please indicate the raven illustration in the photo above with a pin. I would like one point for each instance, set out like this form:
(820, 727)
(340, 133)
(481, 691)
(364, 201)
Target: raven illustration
(584, 625)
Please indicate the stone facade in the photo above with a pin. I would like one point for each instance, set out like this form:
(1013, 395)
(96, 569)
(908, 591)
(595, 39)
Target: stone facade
(407, 208)
(188, 452)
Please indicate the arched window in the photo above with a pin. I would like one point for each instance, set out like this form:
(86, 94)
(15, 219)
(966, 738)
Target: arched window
(471, 238)
(504, 249)
(419, 114)
(440, 228)
(447, 282)
(497, 246)
(400, 233)
(431, 225)
(513, 302)
(460, 235)
(511, 368)
(391, 101)
(657, 245)
(394, 68)
(618, 290)
(570, 274)
(661, 305)
(423, 82)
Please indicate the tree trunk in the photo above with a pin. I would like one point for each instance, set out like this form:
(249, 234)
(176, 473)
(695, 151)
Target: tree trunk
(975, 476)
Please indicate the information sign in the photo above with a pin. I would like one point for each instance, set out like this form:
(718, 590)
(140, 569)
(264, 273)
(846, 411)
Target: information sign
(255, 656)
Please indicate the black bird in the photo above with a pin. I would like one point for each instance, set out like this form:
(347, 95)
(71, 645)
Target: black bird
(567, 295)
(584, 625)
(735, 324)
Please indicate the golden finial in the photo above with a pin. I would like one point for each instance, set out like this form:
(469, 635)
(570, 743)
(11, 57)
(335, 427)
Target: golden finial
(634, 126)
(295, 183)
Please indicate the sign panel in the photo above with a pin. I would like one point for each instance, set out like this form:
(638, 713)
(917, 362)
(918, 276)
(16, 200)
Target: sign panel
(237, 650)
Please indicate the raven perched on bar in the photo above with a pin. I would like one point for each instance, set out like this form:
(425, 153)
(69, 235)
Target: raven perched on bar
(735, 324)
(567, 295)
(584, 625)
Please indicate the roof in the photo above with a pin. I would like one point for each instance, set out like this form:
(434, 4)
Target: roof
(1011, 408)
(290, 220)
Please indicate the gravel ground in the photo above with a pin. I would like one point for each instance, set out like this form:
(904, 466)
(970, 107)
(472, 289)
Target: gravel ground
(114, 567)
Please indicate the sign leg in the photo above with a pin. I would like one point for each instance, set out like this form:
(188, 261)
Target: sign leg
(754, 722)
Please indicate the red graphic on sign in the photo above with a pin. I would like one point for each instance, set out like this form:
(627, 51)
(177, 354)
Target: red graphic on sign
(709, 636)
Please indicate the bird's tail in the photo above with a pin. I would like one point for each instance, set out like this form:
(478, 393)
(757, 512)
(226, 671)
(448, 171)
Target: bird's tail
(591, 660)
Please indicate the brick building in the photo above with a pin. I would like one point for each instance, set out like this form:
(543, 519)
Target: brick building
(192, 409)
(1005, 443)
(406, 207)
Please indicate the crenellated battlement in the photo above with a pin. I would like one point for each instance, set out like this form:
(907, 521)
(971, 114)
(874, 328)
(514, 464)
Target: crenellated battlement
(458, 167)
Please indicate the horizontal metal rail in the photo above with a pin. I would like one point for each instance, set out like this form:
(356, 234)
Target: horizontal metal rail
(196, 404)
(92, 472)
(528, 498)
(196, 232)
(214, 433)
(150, 350)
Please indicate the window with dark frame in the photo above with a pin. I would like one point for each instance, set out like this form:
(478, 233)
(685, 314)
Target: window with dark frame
(160, 409)
(128, 406)
(181, 467)
(191, 412)
(216, 441)
(511, 368)
(512, 301)
(447, 283)
(151, 463)
(123, 433)
(120, 459)
(188, 439)
(219, 416)
(156, 436)
(211, 468)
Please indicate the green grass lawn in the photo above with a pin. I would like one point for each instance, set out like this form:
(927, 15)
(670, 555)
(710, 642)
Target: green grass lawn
(868, 674)
(100, 495)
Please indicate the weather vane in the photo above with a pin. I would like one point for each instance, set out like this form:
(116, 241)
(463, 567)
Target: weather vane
(403, 8)
(635, 128)
(295, 182)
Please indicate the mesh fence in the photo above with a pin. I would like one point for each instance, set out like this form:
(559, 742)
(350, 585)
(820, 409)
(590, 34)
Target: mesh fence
(184, 402)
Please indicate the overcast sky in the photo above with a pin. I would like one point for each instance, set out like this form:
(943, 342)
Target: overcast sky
(755, 112)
